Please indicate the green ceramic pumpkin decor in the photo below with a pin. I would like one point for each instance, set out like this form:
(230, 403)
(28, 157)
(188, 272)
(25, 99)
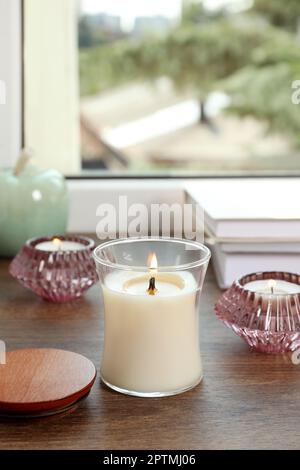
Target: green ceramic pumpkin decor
(33, 203)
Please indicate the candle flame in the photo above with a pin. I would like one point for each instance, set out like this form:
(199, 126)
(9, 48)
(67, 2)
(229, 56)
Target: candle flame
(56, 242)
(152, 262)
(272, 285)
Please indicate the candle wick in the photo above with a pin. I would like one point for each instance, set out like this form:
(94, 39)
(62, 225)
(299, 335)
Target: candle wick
(272, 289)
(152, 289)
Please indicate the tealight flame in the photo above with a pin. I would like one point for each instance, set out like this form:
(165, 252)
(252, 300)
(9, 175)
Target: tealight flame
(272, 285)
(56, 242)
(152, 262)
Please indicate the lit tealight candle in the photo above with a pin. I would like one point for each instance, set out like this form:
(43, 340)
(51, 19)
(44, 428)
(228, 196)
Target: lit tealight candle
(56, 244)
(272, 287)
(151, 331)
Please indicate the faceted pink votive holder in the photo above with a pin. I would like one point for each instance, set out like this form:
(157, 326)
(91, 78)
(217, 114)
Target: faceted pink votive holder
(269, 323)
(56, 276)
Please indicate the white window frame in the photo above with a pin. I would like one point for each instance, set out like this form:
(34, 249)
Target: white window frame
(11, 75)
(51, 83)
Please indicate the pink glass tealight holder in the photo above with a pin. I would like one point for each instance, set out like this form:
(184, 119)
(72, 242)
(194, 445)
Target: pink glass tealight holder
(264, 310)
(58, 268)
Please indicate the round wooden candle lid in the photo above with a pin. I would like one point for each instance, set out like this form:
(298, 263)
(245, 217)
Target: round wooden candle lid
(43, 381)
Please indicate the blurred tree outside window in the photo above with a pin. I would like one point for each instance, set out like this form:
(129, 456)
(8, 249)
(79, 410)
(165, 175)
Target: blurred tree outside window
(206, 89)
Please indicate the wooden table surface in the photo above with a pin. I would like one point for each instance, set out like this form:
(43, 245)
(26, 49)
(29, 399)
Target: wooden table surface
(246, 400)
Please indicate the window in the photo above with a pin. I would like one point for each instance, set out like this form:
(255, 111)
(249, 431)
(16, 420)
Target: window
(164, 87)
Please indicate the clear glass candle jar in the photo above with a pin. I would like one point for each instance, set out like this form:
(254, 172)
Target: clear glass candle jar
(151, 291)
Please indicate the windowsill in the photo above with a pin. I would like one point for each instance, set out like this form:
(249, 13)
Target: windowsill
(86, 194)
(180, 175)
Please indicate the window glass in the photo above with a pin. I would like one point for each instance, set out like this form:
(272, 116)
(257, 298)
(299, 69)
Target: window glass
(189, 86)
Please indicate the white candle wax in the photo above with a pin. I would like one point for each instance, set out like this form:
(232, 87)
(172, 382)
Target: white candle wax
(59, 245)
(272, 287)
(151, 341)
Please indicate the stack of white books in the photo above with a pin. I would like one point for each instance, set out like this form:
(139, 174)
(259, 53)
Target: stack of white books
(251, 225)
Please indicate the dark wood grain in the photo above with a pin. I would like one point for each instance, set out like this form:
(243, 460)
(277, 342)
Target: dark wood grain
(246, 400)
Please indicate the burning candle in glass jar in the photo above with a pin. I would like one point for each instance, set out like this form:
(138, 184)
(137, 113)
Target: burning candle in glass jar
(151, 331)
